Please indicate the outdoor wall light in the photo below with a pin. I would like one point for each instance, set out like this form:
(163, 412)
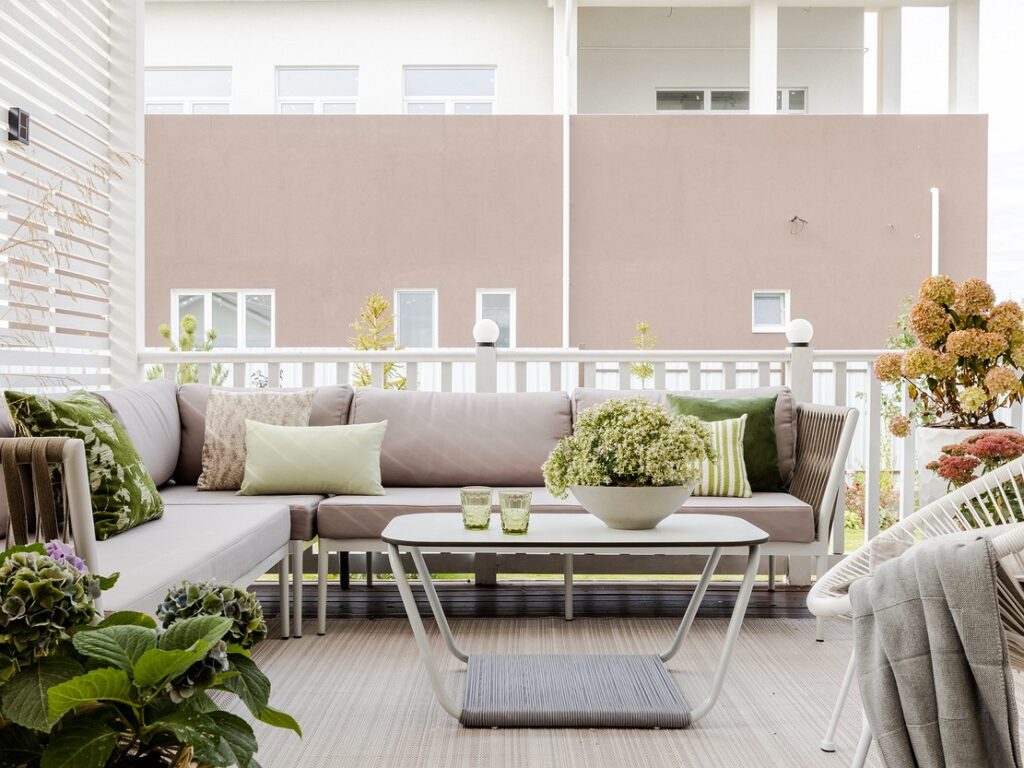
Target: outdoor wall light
(799, 332)
(17, 125)
(485, 332)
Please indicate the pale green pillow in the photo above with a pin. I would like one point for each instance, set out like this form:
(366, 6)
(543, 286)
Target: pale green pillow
(342, 459)
(728, 475)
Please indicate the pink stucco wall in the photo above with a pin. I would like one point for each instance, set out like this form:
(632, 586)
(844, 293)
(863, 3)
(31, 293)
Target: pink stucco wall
(674, 220)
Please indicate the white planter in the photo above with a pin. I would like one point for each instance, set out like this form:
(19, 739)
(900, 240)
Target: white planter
(637, 509)
(928, 442)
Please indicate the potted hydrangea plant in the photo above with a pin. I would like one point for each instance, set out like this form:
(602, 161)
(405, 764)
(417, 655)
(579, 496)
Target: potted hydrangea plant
(77, 691)
(629, 463)
(962, 370)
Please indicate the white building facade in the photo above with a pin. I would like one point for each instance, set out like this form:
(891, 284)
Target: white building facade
(535, 56)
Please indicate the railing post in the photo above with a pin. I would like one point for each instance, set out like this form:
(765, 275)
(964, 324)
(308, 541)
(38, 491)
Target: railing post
(801, 384)
(485, 333)
(801, 360)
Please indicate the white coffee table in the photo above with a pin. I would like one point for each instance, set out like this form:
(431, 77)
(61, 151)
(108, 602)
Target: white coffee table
(569, 690)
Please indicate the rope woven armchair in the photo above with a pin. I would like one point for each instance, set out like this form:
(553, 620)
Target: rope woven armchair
(993, 502)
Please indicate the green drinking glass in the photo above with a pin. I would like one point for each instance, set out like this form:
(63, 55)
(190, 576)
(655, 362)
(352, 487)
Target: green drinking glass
(476, 507)
(515, 511)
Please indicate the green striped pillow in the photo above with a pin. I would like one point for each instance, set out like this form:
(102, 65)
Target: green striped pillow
(728, 475)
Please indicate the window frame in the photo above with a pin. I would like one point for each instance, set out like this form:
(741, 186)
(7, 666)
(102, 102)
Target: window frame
(188, 102)
(511, 293)
(207, 294)
(784, 293)
(318, 103)
(783, 90)
(398, 321)
(450, 101)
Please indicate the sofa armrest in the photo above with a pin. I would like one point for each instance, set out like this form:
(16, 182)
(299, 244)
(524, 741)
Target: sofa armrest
(824, 436)
(28, 490)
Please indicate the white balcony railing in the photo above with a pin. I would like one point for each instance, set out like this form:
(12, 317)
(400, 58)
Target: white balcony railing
(820, 376)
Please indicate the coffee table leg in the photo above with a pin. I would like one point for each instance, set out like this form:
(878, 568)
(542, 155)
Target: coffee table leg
(412, 611)
(738, 612)
(435, 605)
(695, 600)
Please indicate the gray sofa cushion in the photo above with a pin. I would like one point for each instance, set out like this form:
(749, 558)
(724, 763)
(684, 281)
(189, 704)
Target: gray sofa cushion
(189, 542)
(785, 412)
(149, 414)
(783, 517)
(330, 407)
(457, 438)
(303, 507)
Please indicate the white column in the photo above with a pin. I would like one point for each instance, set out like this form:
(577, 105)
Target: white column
(564, 71)
(764, 56)
(964, 27)
(890, 59)
(127, 210)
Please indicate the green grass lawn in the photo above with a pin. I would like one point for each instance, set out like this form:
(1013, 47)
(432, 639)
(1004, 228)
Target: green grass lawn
(854, 540)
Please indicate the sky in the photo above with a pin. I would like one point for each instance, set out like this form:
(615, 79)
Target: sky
(925, 75)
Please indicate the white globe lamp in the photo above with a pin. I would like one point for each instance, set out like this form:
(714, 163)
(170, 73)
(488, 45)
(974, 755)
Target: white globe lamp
(486, 332)
(799, 332)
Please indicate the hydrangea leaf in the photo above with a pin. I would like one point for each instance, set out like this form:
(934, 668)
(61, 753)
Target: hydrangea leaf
(117, 646)
(104, 684)
(24, 698)
(185, 633)
(80, 744)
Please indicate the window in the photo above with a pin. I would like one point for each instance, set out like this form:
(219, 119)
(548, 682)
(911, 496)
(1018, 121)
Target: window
(416, 318)
(770, 311)
(240, 318)
(317, 90)
(499, 305)
(791, 100)
(787, 100)
(188, 91)
(449, 90)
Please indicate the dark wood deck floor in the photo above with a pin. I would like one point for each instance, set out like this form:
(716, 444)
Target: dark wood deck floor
(544, 599)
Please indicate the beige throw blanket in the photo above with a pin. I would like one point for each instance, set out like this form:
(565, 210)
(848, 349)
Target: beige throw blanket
(932, 663)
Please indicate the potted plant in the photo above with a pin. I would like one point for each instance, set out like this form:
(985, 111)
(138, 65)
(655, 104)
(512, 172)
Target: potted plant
(629, 463)
(123, 692)
(962, 370)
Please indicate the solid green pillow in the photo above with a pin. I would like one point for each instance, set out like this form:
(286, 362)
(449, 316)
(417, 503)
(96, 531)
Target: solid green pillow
(123, 493)
(343, 459)
(760, 451)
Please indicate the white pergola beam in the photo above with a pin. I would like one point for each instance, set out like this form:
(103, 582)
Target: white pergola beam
(964, 30)
(764, 56)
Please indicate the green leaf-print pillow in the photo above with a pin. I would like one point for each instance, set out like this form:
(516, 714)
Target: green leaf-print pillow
(123, 493)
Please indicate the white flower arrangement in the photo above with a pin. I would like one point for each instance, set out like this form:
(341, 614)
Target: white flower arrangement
(629, 442)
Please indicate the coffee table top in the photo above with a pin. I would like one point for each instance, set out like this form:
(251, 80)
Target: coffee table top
(571, 531)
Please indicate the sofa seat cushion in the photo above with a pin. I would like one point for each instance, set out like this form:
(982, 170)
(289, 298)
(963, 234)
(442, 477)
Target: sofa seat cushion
(365, 517)
(783, 517)
(194, 542)
(302, 507)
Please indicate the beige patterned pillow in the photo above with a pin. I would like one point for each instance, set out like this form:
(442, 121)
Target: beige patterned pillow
(224, 443)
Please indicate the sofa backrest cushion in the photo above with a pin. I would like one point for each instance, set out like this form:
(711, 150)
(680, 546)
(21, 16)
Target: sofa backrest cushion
(460, 438)
(785, 412)
(330, 408)
(149, 414)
